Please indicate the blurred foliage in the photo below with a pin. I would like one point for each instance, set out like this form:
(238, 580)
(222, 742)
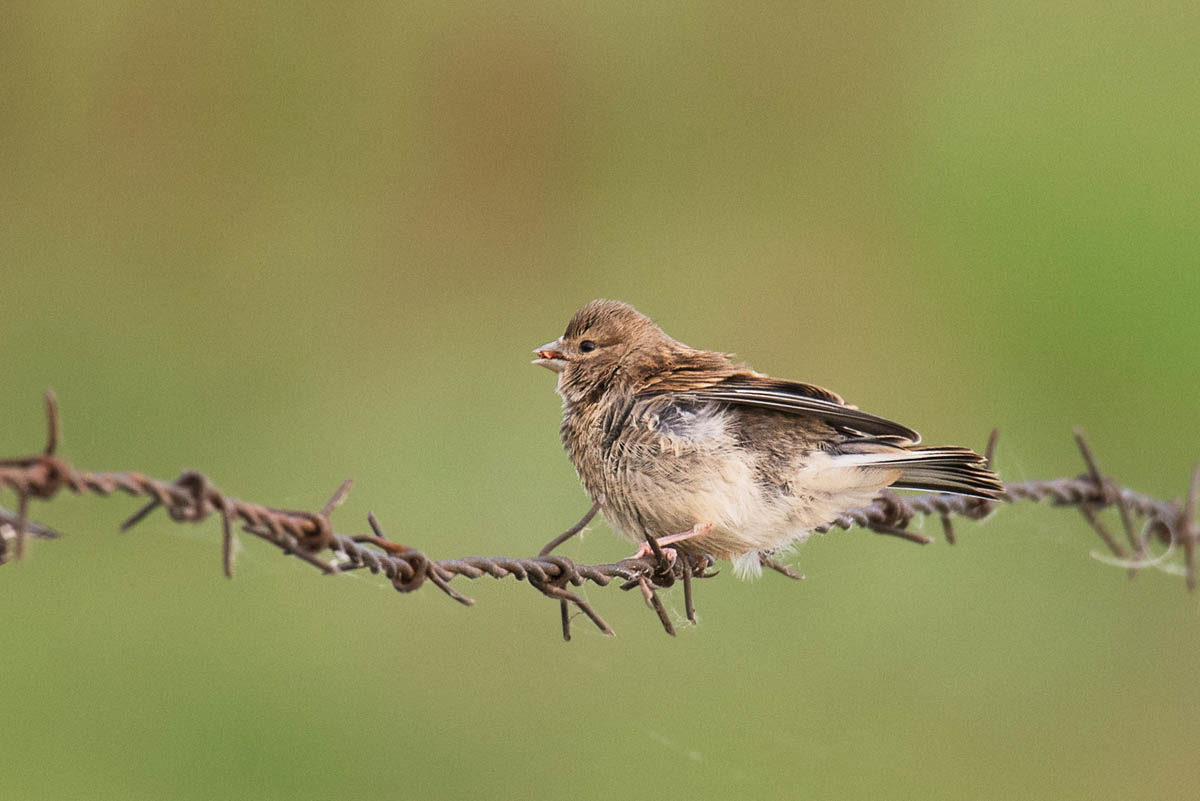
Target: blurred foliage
(285, 243)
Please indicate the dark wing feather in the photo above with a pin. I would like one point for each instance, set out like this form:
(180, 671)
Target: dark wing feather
(751, 389)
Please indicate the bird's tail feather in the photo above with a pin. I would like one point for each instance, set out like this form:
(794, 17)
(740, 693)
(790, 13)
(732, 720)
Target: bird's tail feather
(957, 470)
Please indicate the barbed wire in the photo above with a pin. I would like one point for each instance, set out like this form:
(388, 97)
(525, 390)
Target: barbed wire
(308, 535)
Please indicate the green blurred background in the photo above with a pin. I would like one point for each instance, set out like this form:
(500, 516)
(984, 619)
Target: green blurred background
(289, 243)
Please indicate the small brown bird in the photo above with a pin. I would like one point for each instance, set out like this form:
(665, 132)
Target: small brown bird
(709, 456)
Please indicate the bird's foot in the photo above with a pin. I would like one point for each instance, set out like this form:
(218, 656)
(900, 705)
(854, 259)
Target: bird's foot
(664, 543)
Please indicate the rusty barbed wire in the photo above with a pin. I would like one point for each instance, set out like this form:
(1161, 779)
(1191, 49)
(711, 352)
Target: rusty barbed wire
(192, 498)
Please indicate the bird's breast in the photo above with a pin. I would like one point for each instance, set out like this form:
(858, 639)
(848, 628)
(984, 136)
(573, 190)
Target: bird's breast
(667, 466)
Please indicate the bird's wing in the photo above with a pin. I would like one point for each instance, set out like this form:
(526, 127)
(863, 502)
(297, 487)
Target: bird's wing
(746, 388)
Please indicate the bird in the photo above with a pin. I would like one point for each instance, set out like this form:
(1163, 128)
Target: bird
(709, 457)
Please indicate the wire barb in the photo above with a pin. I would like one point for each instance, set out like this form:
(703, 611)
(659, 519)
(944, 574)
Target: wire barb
(779, 567)
(571, 532)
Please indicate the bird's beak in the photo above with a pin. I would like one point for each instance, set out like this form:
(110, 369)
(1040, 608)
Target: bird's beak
(551, 356)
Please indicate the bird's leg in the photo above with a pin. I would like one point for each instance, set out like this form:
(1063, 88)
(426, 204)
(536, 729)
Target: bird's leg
(645, 549)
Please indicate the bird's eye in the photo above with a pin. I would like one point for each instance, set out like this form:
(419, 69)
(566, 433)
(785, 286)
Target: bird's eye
(587, 346)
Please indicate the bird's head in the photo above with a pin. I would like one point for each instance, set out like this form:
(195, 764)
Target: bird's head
(608, 344)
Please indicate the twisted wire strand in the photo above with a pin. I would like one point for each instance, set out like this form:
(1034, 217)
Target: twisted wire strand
(307, 535)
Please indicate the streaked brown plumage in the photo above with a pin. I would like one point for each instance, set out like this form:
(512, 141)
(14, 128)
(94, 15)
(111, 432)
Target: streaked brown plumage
(672, 439)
